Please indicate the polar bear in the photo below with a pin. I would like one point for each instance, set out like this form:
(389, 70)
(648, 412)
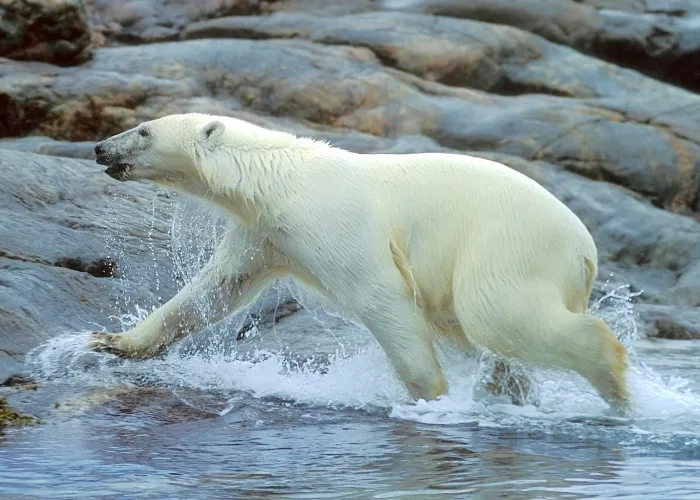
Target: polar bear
(415, 246)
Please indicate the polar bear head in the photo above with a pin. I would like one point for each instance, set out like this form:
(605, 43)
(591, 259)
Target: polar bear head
(162, 150)
(206, 155)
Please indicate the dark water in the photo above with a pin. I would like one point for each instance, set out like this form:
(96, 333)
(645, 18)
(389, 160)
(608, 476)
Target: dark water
(284, 426)
(310, 408)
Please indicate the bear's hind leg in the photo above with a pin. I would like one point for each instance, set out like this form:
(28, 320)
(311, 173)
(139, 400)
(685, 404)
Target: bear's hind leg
(531, 323)
(605, 363)
(505, 378)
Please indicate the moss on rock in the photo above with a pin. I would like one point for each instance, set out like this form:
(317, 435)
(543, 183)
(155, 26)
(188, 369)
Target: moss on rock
(8, 416)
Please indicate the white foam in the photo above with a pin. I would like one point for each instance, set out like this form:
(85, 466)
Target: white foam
(365, 380)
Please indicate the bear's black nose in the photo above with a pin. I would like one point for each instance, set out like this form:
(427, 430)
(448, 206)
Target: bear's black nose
(99, 149)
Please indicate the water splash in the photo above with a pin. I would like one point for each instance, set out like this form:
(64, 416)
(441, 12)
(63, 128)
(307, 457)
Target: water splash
(615, 306)
(320, 357)
(359, 377)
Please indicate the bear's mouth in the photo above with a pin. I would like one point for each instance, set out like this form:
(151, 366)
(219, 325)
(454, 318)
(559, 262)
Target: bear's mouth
(119, 171)
(116, 169)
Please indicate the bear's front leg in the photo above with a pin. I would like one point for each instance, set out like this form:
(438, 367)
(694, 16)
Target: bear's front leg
(136, 343)
(239, 271)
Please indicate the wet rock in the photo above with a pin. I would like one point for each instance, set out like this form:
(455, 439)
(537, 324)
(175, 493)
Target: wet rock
(51, 147)
(10, 417)
(19, 381)
(668, 7)
(669, 322)
(79, 251)
(75, 104)
(564, 22)
(147, 21)
(270, 315)
(687, 291)
(53, 31)
(72, 245)
(148, 404)
(490, 57)
(659, 38)
(10, 363)
(324, 8)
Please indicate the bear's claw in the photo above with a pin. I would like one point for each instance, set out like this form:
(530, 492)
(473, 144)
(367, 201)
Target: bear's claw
(109, 343)
(105, 342)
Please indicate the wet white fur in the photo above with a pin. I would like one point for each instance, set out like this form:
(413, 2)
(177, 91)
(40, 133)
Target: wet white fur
(414, 246)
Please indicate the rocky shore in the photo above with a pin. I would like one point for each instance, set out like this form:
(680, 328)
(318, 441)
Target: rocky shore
(594, 99)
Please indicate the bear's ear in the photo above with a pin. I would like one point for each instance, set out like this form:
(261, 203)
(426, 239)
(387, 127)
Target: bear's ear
(210, 131)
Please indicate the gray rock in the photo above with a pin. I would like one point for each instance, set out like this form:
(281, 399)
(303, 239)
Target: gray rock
(76, 104)
(494, 58)
(659, 38)
(79, 250)
(348, 87)
(72, 242)
(139, 21)
(51, 147)
(36, 30)
(687, 291)
(670, 322)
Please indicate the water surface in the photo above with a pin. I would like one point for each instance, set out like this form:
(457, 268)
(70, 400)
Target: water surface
(310, 408)
(273, 422)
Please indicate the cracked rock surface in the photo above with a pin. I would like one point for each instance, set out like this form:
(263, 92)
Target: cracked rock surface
(573, 94)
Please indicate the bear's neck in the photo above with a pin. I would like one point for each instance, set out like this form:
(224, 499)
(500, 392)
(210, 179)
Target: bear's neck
(252, 185)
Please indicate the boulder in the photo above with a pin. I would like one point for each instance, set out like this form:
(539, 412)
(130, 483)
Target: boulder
(52, 147)
(659, 38)
(490, 57)
(54, 31)
(147, 21)
(670, 322)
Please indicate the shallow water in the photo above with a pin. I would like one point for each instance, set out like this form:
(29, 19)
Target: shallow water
(310, 408)
(312, 420)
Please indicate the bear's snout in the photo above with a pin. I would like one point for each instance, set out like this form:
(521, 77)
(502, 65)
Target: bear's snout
(116, 168)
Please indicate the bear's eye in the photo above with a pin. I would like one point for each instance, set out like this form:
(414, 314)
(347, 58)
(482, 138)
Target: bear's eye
(143, 132)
